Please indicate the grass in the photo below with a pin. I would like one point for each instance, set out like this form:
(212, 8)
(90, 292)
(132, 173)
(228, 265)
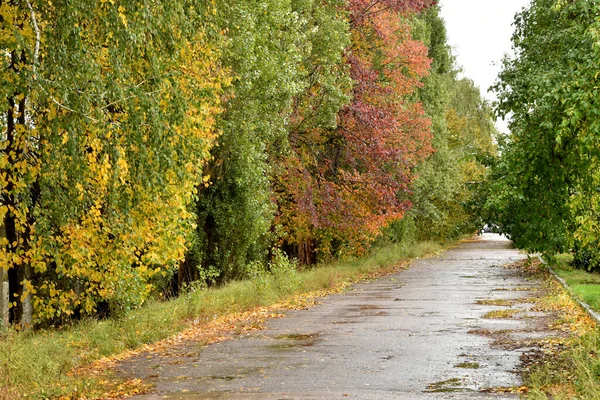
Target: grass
(574, 371)
(585, 285)
(572, 374)
(452, 385)
(40, 364)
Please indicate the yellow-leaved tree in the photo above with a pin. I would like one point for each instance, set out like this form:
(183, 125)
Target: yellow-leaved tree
(108, 112)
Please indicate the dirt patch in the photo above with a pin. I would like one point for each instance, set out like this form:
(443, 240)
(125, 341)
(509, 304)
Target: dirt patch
(501, 302)
(502, 338)
(468, 365)
(452, 385)
(501, 314)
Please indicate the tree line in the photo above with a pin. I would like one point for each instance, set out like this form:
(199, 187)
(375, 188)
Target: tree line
(146, 146)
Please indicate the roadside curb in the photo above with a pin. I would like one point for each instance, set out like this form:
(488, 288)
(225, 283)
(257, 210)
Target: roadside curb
(586, 307)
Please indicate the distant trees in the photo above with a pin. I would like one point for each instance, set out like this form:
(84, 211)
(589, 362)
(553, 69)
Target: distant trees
(146, 146)
(545, 188)
(446, 195)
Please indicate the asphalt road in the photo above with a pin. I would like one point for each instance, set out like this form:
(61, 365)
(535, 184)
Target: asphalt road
(413, 335)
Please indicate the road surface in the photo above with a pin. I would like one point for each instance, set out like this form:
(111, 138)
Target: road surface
(419, 334)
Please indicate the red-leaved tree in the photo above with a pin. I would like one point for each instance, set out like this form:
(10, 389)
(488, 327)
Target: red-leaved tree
(341, 185)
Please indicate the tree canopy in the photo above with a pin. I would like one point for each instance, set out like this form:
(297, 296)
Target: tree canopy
(545, 191)
(148, 145)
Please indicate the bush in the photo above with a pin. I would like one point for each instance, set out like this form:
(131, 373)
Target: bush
(587, 258)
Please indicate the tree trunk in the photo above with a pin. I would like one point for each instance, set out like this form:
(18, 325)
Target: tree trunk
(3, 287)
(306, 252)
(10, 225)
(27, 311)
(16, 152)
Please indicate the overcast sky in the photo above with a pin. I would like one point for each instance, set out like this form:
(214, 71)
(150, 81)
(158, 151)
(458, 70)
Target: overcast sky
(479, 32)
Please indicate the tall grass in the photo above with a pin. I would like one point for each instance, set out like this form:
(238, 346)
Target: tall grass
(572, 374)
(38, 364)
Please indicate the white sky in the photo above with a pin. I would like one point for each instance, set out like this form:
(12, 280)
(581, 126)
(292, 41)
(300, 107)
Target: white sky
(479, 32)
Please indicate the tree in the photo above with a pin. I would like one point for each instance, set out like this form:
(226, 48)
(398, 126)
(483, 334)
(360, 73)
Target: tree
(350, 178)
(448, 181)
(545, 181)
(280, 53)
(108, 117)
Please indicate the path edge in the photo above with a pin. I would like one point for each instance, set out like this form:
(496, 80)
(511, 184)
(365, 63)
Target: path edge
(585, 306)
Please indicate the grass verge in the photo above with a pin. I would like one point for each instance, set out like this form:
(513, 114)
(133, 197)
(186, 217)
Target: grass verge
(573, 370)
(60, 363)
(585, 285)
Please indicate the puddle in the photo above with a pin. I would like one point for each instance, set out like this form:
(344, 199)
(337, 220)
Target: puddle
(380, 314)
(369, 310)
(367, 307)
(223, 378)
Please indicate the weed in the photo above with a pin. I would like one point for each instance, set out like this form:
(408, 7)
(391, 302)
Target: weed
(571, 368)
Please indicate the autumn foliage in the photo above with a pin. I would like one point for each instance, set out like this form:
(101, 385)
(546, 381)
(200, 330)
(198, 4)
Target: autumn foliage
(347, 182)
(146, 147)
(108, 115)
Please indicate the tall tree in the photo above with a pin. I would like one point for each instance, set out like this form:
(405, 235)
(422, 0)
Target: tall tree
(108, 116)
(546, 184)
(448, 181)
(351, 179)
(280, 53)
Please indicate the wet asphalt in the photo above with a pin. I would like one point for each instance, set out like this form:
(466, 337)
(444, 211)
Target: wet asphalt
(412, 335)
